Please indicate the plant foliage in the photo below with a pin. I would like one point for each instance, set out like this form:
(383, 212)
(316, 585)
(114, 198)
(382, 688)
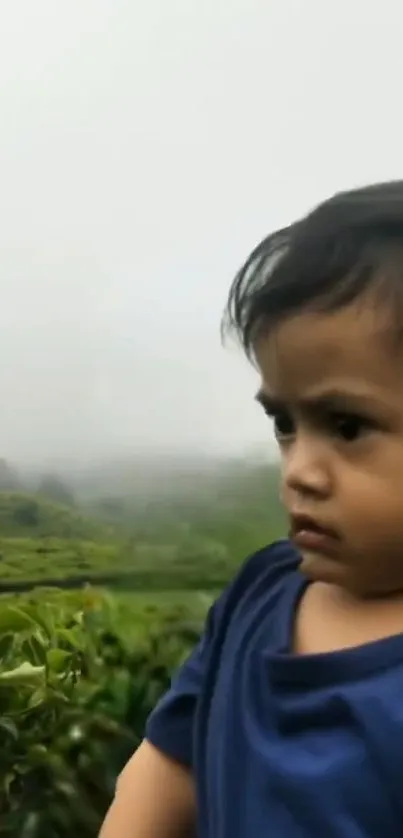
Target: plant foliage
(79, 674)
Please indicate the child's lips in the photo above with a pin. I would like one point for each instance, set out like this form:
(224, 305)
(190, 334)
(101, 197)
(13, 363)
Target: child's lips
(308, 534)
(317, 542)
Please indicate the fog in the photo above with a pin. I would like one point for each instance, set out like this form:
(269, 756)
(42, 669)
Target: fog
(145, 148)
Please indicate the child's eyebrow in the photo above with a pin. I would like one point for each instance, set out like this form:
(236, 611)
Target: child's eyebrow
(269, 403)
(334, 398)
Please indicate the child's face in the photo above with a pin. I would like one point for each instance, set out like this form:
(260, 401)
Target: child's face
(336, 391)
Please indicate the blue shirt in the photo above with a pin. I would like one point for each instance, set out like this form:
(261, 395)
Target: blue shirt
(284, 745)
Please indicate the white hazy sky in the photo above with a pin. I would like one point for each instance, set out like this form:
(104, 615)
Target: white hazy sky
(145, 148)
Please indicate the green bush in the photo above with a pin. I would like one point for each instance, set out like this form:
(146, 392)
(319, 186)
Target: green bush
(79, 674)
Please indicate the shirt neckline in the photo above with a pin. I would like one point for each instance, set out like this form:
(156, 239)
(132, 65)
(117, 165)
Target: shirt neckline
(349, 664)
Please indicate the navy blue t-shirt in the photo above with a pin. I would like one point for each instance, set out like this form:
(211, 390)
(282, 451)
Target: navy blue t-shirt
(284, 745)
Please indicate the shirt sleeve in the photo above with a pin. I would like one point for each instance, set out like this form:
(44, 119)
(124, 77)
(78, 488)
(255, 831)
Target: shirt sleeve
(170, 726)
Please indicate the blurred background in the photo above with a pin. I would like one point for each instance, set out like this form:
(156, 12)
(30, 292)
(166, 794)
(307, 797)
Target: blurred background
(145, 149)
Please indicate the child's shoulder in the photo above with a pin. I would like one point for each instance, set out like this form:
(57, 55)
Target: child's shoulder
(273, 561)
(261, 578)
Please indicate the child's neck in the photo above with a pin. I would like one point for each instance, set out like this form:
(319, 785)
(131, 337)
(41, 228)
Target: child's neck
(330, 619)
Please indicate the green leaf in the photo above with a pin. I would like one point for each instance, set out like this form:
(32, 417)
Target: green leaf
(7, 780)
(42, 616)
(58, 696)
(8, 727)
(13, 619)
(23, 675)
(31, 825)
(6, 644)
(38, 754)
(34, 649)
(57, 659)
(70, 637)
(37, 698)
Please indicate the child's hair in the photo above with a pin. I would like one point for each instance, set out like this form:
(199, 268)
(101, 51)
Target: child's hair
(349, 244)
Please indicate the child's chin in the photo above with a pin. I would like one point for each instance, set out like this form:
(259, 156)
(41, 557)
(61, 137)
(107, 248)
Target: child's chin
(320, 568)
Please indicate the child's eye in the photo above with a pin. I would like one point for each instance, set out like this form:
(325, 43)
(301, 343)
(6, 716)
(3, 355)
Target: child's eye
(284, 426)
(349, 427)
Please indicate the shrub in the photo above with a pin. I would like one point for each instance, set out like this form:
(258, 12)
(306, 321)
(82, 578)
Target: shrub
(78, 677)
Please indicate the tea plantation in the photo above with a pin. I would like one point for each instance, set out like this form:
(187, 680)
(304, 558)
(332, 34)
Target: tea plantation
(81, 669)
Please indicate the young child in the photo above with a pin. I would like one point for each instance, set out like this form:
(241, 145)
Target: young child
(287, 720)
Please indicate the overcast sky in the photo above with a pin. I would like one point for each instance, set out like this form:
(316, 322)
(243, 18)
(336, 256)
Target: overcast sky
(145, 148)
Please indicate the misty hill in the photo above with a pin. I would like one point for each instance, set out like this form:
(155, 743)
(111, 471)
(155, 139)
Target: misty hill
(28, 515)
(235, 503)
(147, 498)
(143, 476)
(193, 533)
(146, 477)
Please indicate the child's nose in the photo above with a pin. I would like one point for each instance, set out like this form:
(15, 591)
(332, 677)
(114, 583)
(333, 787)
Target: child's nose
(306, 469)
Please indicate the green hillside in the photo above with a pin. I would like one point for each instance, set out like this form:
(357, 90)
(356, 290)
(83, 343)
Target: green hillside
(29, 515)
(177, 539)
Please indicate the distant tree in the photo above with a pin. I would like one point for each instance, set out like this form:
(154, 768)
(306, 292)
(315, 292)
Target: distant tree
(26, 514)
(53, 488)
(113, 509)
(9, 480)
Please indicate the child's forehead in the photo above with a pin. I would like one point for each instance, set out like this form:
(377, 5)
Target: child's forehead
(314, 349)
